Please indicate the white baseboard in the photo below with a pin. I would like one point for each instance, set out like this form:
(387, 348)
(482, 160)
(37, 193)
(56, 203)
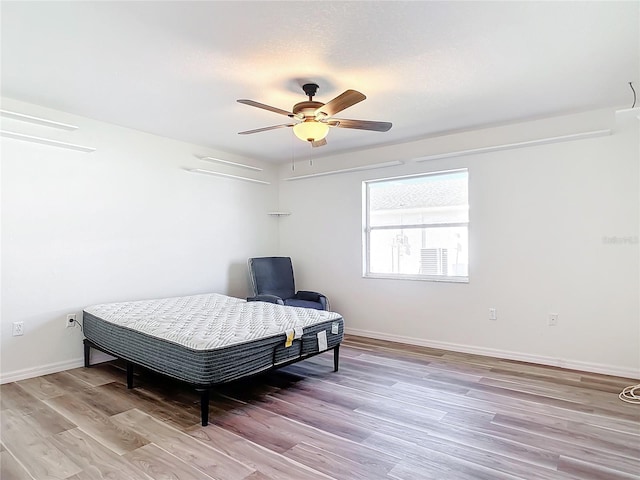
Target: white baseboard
(506, 354)
(96, 357)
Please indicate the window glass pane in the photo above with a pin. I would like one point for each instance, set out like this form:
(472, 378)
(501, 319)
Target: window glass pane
(428, 199)
(417, 226)
(441, 251)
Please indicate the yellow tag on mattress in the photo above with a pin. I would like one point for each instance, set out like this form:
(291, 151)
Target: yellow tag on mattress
(289, 341)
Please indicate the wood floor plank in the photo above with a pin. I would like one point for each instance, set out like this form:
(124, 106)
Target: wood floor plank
(205, 458)
(345, 398)
(283, 434)
(426, 471)
(612, 435)
(586, 470)
(18, 431)
(179, 413)
(66, 382)
(567, 392)
(414, 377)
(401, 425)
(392, 411)
(273, 466)
(567, 448)
(466, 460)
(332, 464)
(157, 463)
(590, 384)
(96, 460)
(41, 388)
(623, 458)
(13, 397)
(253, 424)
(99, 374)
(109, 398)
(97, 424)
(565, 431)
(503, 402)
(10, 469)
(437, 433)
(418, 462)
(42, 419)
(44, 461)
(332, 419)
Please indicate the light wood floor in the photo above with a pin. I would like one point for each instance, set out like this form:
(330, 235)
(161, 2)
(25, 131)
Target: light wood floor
(391, 412)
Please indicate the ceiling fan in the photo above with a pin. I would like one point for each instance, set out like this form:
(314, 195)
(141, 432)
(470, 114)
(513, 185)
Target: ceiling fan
(313, 119)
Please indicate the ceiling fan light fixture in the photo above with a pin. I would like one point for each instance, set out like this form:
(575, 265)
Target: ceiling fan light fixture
(312, 119)
(310, 130)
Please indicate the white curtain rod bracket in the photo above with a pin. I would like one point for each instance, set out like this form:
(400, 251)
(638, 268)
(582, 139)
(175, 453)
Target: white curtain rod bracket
(36, 120)
(228, 162)
(225, 175)
(509, 146)
(347, 170)
(628, 114)
(46, 141)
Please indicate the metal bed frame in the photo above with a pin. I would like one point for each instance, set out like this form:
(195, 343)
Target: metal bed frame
(204, 390)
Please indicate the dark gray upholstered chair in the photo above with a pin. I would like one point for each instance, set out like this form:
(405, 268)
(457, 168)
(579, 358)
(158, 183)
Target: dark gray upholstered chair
(272, 281)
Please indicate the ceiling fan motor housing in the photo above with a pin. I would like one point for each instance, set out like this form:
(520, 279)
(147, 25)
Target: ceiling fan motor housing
(309, 129)
(307, 108)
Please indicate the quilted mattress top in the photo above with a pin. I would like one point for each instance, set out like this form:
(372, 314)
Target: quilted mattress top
(208, 321)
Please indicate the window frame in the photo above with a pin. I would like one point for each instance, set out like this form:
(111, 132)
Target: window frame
(367, 229)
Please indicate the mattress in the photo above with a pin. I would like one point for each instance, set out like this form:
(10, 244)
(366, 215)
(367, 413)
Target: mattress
(210, 338)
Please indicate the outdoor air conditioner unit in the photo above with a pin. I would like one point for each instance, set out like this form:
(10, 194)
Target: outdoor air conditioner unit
(434, 261)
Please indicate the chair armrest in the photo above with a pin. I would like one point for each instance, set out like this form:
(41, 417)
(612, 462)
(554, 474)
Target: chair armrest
(266, 298)
(312, 297)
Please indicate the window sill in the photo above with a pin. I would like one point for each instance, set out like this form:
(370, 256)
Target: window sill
(421, 278)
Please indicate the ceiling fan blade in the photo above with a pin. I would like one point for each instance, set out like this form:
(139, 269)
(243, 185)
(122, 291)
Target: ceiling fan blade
(319, 143)
(264, 129)
(265, 107)
(342, 101)
(361, 124)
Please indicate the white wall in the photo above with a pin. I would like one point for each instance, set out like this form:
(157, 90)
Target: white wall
(124, 222)
(538, 218)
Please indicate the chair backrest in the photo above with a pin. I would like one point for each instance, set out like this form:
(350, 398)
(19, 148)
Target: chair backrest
(272, 276)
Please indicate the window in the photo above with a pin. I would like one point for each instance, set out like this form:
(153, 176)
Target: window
(417, 227)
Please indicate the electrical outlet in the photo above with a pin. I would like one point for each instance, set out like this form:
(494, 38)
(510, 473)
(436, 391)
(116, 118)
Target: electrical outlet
(18, 329)
(71, 320)
(553, 319)
(493, 314)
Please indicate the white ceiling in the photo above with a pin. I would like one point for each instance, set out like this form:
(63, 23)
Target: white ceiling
(176, 69)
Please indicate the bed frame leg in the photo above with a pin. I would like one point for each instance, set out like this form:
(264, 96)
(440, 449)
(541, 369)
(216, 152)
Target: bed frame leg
(336, 357)
(204, 405)
(129, 375)
(87, 353)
